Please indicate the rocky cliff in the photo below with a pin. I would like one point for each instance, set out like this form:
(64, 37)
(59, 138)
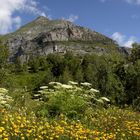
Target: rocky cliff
(44, 36)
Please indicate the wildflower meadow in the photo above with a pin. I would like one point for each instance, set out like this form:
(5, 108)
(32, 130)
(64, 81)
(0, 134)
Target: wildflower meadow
(51, 120)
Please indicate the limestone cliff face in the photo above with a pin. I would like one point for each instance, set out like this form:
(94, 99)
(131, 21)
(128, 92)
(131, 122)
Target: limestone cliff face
(44, 36)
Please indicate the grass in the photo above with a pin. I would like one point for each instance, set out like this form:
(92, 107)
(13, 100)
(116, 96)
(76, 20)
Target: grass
(22, 119)
(106, 124)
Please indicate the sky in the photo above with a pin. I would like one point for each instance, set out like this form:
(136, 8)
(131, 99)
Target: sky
(117, 19)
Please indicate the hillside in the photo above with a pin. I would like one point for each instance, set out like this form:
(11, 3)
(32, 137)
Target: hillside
(67, 82)
(43, 36)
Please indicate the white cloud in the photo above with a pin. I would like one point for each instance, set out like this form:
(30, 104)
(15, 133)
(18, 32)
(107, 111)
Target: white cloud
(49, 17)
(137, 2)
(130, 41)
(17, 21)
(31, 7)
(122, 40)
(8, 9)
(72, 18)
(118, 37)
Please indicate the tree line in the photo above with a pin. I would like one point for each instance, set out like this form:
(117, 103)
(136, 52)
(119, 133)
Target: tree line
(116, 76)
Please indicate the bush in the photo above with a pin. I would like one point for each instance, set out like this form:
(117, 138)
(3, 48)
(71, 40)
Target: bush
(136, 104)
(5, 100)
(71, 99)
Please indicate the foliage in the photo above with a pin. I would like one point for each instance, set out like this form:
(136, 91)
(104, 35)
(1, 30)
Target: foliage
(3, 55)
(108, 124)
(65, 109)
(123, 123)
(115, 76)
(71, 99)
(3, 61)
(136, 104)
(5, 100)
(135, 55)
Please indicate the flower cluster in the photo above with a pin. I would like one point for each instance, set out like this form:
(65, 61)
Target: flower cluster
(19, 125)
(122, 123)
(83, 90)
(5, 100)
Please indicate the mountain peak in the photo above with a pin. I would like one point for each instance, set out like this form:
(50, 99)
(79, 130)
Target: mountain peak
(41, 19)
(43, 36)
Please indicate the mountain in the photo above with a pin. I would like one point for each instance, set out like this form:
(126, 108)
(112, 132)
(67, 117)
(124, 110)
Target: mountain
(43, 36)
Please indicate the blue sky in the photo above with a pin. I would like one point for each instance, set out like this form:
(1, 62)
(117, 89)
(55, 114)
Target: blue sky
(118, 19)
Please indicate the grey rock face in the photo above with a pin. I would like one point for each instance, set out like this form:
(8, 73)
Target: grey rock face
(124, 50)
(44, 36)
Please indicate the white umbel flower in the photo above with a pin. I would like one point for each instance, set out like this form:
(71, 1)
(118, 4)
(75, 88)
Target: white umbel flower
(3, 90)
(66, 86)
(94, 90)
(86, 84)
(105, 99)
(43, 87)
(72, 83)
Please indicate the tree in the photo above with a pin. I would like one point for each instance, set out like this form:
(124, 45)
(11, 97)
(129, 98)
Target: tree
(4, 53)
(135, 53)
(72, 62)
(17, 65)
(66, 76)
(79, 77)
(56, 62)
(34, 64)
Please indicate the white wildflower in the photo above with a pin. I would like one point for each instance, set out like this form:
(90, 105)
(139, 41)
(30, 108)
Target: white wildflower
(105, 99)
(94, 90)
(55, 83)
(86, 84)
(3, 90)
(3, 102)
(42, 91)
(72, 83)
(100, 101)
(36, 95)
(66, 86)
(43, 87)
(78, 89)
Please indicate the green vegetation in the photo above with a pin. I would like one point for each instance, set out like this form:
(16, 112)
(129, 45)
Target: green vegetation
(72, 99)
(81, 119)
(38, 99)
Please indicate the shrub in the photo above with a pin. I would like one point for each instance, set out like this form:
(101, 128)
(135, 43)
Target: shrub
(72, 99)
(5, 100)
